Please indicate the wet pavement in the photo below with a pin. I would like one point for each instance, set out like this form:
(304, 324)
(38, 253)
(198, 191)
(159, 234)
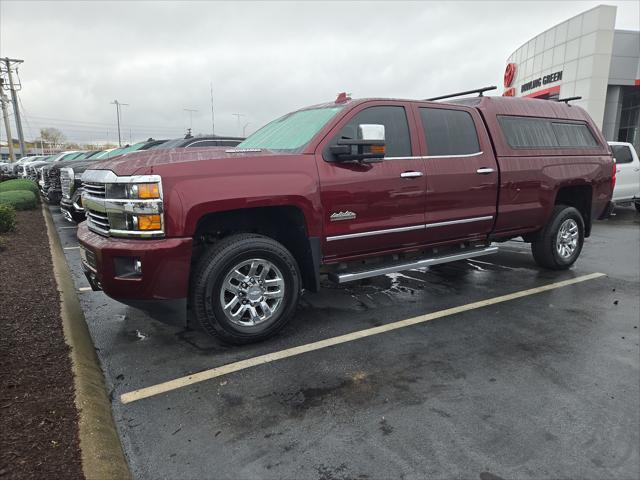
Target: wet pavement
(544, 386)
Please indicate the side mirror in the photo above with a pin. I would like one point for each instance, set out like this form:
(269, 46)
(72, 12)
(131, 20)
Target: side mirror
(369, 147)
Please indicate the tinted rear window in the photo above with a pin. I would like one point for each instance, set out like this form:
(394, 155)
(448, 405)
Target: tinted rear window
(449, 132)
(622, 153)
(543, 133)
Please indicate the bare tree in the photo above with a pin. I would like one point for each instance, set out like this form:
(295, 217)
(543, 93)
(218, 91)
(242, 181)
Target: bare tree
(53, 137)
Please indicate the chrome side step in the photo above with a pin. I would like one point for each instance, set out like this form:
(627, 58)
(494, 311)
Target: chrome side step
(350, 276)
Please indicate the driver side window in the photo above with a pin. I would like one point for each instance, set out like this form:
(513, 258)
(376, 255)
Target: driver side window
(396, 127)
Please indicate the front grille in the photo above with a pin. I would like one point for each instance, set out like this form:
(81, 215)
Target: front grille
(54, 178)
(66, 185)
(95, 189)
(98, 222)
(44, 177)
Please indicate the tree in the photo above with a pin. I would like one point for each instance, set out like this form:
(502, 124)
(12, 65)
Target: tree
(53, 137)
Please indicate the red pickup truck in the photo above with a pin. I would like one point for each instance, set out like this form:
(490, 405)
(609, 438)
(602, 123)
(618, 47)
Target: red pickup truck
(352, 189)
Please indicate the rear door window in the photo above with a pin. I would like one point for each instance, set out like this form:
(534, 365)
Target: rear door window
(449, 132)
(622, 154)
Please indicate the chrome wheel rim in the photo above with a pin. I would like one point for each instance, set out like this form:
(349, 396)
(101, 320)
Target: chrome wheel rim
(567, 238)
(252, 292)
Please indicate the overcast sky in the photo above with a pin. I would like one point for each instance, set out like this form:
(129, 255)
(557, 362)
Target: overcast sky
(264, 58)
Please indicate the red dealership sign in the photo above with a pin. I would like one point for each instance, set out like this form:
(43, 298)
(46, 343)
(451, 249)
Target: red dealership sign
(509, 74)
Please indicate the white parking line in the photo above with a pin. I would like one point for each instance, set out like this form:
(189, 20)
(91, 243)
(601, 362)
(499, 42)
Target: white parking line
(330, 342)
(85, 289)
(65, 228)
(72, 248)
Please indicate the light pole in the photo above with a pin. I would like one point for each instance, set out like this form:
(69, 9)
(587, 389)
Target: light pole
(244, 129)
(190, 110)
(238, 115)
(118, 105)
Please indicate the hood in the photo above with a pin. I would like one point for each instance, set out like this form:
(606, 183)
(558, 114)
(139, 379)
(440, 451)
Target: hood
(144, 162)
(80, 166)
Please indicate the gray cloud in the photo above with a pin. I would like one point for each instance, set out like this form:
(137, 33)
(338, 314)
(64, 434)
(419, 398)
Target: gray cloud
(264, 58)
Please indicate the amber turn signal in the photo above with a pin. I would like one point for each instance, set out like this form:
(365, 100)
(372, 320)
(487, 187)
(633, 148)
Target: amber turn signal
(149, 222)
(148, 190)
(377, 149)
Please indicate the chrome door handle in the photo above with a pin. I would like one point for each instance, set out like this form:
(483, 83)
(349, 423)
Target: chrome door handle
(411, 174)
(485, 171)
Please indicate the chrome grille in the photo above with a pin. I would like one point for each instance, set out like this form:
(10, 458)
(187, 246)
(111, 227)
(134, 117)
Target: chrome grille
(43, 177)
(66, 185)
(54, 178)
(95, 189)
(98, 222)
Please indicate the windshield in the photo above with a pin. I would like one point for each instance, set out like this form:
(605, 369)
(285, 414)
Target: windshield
(292, 132)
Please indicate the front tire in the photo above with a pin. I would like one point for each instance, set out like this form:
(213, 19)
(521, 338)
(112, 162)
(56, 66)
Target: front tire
(560, 242)
(245, 288)
(637, 205)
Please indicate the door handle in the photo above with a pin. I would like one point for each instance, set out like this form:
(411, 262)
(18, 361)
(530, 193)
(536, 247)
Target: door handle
(485, 171)
(411, 174)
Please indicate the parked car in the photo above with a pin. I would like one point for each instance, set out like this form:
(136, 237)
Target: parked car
(52, 191)
(351, 189)
(43, 170)
(627, 188)
(70, 178)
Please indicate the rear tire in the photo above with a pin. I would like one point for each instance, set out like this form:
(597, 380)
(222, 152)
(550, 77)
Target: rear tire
(245, 288)
(637, 205)
(558, 245)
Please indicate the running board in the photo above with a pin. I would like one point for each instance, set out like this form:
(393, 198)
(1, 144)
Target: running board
(350, 276)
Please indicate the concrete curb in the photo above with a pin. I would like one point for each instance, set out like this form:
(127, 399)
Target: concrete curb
(102, 454)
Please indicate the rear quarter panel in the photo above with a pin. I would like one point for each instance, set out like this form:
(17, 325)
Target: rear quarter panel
(531, 178)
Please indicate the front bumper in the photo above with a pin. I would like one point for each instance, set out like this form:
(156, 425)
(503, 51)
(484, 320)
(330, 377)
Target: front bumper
(71, 209)
(165, 268)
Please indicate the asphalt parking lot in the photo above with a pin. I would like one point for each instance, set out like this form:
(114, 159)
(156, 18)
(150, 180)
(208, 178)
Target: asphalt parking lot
(537, 386)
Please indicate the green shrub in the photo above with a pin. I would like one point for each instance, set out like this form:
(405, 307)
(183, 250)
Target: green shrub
(7, 218)
(19, 199)
(19, 184)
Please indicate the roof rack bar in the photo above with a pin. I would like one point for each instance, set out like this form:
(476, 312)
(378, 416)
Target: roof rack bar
(568, 99)
(479, 91)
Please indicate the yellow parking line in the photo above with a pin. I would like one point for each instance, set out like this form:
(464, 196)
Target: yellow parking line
(330, 342)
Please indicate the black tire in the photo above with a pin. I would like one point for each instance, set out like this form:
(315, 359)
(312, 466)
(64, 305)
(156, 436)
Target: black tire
(544, 245)
(211, 271)
(637, 205)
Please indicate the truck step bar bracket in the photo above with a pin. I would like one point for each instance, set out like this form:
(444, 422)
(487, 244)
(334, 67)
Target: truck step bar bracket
(350, 276)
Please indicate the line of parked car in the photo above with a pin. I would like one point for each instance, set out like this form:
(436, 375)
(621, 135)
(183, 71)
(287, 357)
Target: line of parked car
(59, 175)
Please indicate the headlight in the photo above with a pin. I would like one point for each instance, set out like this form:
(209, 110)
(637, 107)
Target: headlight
(123, 206)
(133, 191)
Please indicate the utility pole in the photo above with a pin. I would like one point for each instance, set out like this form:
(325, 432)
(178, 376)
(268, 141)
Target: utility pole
(118, 105)
(213, 125)
(238, 115)
(190, 110)
(5, 101)
(14, 97)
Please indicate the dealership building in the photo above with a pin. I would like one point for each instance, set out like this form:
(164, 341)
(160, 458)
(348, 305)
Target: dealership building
(585, 57)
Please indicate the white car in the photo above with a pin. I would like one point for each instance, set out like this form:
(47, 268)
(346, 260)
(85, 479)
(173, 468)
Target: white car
(627, 189)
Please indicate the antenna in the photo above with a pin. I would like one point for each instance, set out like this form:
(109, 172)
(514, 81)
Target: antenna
(568, 99)
(479, 91)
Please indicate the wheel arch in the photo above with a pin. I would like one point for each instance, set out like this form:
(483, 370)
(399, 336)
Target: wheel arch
(284, 223)
(581, 198)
